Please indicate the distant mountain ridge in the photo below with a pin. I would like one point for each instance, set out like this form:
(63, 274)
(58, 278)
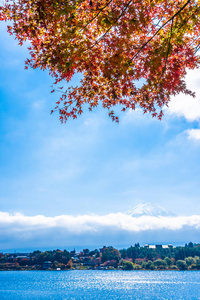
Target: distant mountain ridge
(149, 209)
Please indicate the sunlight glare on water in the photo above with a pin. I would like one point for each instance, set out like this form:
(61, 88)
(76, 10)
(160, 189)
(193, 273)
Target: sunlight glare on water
(99, 285)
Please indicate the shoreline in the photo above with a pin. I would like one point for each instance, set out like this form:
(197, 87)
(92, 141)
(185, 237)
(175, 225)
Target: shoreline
(118, 270)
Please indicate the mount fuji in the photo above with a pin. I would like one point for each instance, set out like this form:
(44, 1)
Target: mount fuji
(149, 209)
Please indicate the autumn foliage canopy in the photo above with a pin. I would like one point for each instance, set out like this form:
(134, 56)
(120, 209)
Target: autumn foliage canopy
(129, 53)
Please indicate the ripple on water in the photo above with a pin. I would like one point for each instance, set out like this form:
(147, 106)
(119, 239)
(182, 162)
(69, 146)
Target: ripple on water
(96, 285)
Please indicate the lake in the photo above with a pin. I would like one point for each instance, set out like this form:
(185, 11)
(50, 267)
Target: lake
(98, 285)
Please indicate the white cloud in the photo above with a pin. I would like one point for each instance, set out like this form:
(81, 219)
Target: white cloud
(18, 229)
(96, 223)
(184, 105)
(194, 134)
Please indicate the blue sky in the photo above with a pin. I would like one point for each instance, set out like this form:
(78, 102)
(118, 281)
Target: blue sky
(91, 166)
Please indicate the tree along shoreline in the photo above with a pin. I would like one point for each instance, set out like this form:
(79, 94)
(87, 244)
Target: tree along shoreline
(146, 258)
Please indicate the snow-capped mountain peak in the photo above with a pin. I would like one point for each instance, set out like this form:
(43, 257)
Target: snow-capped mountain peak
(149, 209)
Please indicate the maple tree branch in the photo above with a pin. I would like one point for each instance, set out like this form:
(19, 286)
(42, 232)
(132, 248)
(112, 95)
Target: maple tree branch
(168, 49)
(149, 40)
(113, 44)
(96, 16)
(185, 21)
(65, 106)
(194, 40)
(91, 21)
(103, 36)
(158, 22)
(197, 48)
(146, 43)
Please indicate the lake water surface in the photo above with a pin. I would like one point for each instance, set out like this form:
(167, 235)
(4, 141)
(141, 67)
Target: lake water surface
(20, 285)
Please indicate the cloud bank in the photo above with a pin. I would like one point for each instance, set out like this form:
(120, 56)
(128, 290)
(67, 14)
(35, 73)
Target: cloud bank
(18, 230)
